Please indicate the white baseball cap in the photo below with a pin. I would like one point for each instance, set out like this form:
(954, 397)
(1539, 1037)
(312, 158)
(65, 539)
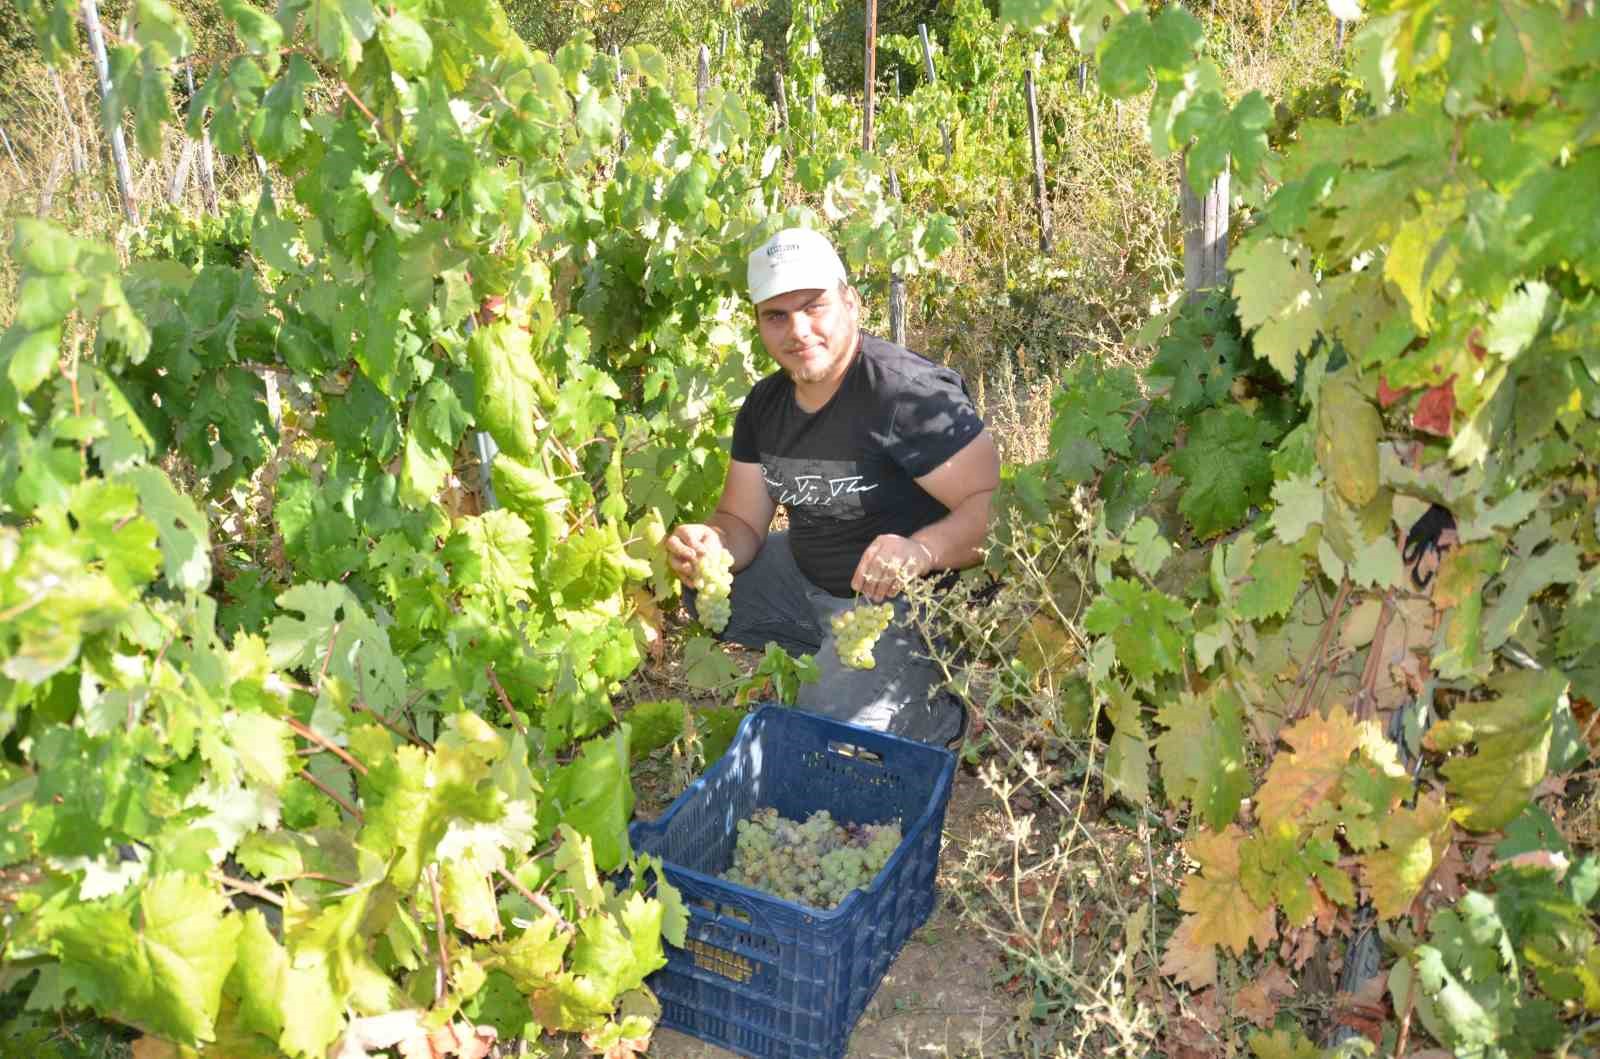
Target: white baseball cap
(794, 259)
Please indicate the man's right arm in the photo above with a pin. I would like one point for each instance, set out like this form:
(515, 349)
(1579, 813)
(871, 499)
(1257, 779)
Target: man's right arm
(739, 524)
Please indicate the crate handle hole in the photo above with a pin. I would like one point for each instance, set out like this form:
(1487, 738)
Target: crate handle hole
(852, 750)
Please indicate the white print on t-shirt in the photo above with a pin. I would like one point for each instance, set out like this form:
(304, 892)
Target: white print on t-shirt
(810, 489)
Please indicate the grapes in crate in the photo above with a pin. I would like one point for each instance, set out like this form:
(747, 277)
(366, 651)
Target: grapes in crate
(716, 582)
(856, 632)
(817, 862)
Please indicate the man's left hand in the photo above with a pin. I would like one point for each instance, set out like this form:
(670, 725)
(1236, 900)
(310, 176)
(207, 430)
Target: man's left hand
(888, 565)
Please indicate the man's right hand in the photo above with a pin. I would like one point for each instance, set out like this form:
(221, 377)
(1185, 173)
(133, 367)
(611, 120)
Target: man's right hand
(685, 545)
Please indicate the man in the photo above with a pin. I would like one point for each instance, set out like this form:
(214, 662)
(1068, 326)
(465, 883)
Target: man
(886, 473)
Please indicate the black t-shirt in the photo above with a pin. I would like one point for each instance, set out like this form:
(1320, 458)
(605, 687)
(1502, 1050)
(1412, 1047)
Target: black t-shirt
(846, 471)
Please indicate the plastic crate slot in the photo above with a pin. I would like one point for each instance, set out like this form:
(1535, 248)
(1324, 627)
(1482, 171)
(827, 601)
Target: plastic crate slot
(852, 750)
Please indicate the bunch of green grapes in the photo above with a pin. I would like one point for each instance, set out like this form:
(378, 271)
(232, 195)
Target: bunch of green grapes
(817, 862)
(715, 574)
(856, 631)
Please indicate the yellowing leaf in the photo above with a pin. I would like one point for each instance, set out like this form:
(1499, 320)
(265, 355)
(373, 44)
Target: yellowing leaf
(1220, 911)
(1413, 841)
(1297, 782)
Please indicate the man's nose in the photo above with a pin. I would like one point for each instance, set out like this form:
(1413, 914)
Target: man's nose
(799, 325)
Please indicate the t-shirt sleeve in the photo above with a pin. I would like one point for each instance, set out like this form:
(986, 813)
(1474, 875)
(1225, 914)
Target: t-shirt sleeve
(745, 449)
(934, 419)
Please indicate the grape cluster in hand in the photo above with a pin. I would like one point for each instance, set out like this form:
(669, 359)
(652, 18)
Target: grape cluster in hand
(816, 863)
(715, 574)
(856, 631)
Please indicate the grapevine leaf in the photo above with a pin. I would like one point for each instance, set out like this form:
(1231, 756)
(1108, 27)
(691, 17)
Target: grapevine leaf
(594, 795)
(1147, 548)
(335, 635)
(1222, 133)
(30, 356)
(407, 44)
(1298, 782)
(1137, 43)
(1226, 468)
(1297, 506)
(1512, 732)
(1377, 564)
(706, 667)
(1278, 299)
(1127, 768)
(1413, 842)
(1557, 565)
(654, 725)
(259, 31)
(410, 798)
(468, 896)
(1284, 1044)
(184, 547)
(509, 388)
(1031, 14)
(1459, 586)
(590, 565)
(1202, 753)
(1146, 625)
(289, 1004)
(159, 964)
(492, 553)
(533, 956)
(1220, 911)
(1276, 576)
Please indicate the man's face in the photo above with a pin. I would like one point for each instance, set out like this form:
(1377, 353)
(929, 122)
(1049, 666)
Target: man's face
(811, 333)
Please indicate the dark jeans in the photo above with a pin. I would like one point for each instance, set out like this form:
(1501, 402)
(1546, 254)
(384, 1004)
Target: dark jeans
(773, 602)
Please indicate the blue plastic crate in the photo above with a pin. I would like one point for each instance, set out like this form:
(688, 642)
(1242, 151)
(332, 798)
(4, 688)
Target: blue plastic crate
(772, 978)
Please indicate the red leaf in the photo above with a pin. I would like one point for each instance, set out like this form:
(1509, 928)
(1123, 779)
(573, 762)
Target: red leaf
(1436, 411)
(1388, 395)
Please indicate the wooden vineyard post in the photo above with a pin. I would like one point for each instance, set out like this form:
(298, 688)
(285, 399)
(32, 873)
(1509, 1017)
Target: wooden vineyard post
(869, 101)
(1205, 235)
(80, 160)
(812, 21)
(702, 80)
(1083, 76)
(780, 88)
(927, 66)
(180, 174)
(1041, 200)
(15, 164)
(622, 138)
(119, 146)
(207, 167)
(897, 284)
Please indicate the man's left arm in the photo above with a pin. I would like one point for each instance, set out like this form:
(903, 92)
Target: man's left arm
(964, 483)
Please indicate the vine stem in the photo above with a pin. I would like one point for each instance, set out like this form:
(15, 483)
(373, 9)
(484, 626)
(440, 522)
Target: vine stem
(410, 737)
(247, 887)
(1311, 670)
(327, 744)
(505, 700)
(1405, 1021)
(539, 901)
(328, 658)
(438, 931)
(306, 775)
(1366, 698)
